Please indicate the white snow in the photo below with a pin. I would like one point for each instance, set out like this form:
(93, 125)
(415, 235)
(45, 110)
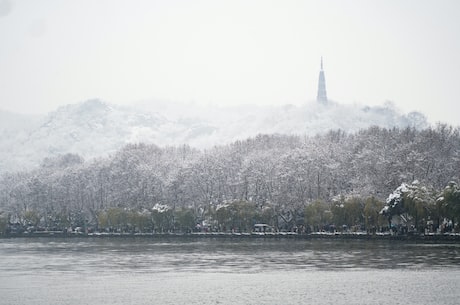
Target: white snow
(94, 128)
(161, 208)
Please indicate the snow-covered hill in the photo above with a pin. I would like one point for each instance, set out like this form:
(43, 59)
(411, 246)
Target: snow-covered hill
(94, 128)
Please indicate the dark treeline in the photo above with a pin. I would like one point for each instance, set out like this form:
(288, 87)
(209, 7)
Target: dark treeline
(336, 180)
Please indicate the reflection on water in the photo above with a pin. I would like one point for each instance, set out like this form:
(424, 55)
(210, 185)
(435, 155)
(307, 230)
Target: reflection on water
(223, 255)
(226, 270)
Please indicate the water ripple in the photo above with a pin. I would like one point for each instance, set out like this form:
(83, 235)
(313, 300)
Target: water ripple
(88, 255)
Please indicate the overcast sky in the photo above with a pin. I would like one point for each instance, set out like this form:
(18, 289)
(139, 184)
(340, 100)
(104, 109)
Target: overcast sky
(55, 52)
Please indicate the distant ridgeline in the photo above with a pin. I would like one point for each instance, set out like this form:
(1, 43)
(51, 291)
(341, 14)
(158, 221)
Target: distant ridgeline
(333, 181)
(94, 128)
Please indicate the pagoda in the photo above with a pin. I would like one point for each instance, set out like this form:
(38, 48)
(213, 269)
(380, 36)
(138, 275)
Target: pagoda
(322, 95)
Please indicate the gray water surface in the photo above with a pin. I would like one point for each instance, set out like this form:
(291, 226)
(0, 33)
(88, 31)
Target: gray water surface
(226, 271)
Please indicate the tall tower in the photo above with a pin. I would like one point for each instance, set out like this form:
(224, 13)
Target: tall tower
(322, 96)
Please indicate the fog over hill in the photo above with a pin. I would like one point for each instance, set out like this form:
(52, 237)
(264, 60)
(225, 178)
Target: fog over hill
(95, 128)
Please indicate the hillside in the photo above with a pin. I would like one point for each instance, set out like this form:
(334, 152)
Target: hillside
(273, 177)
(94, 128)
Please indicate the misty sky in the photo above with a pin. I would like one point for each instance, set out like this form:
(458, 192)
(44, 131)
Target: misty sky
(55, 52)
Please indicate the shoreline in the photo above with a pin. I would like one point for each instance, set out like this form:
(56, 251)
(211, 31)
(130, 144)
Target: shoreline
(453, 237)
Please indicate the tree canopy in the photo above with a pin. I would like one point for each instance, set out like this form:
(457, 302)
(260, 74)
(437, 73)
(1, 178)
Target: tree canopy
(289, 181)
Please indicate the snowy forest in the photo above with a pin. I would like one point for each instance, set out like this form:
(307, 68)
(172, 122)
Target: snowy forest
(344, 181)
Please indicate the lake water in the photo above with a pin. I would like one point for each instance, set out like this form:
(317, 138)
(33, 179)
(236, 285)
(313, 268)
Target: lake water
(226, 271)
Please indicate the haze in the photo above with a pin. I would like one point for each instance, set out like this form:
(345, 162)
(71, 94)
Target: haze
(230, 52)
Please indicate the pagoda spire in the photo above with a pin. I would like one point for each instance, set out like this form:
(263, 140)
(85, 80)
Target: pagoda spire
(322, 95)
